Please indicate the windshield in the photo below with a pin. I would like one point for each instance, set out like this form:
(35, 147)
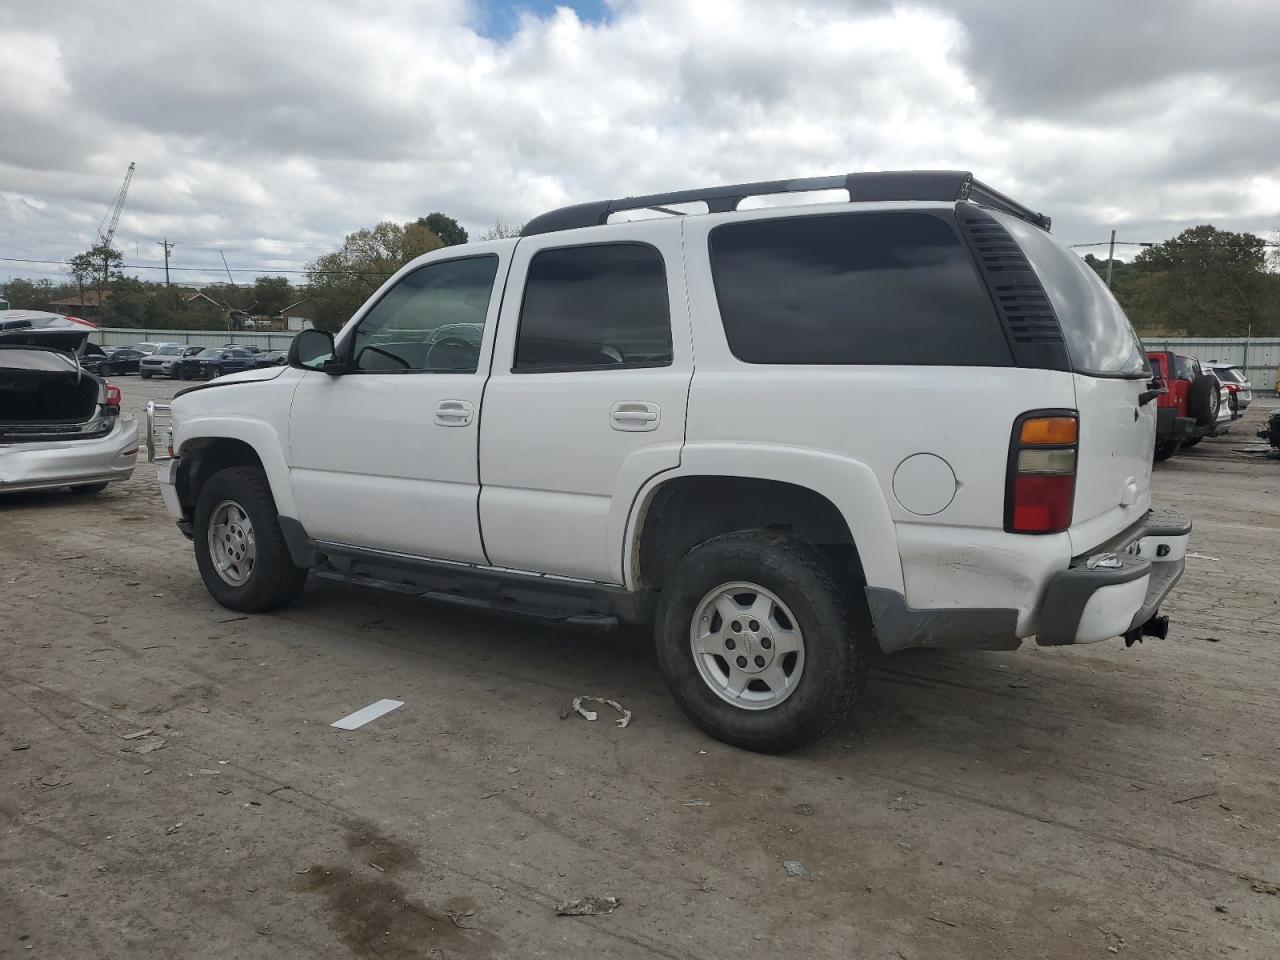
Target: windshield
(172, 350)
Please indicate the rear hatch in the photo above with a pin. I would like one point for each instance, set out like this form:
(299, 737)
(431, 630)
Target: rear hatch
(1111, 373)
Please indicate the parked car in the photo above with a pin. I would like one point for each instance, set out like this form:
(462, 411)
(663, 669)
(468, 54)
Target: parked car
(243, 346)
(164, 361)
(214, 362)
(754, 508)
(109, 361)
(1239, 389)
(1192, 407)
(60, 426)
(146, 347)
(273, 358)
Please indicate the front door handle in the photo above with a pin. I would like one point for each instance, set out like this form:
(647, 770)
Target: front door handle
(635, 415)
(453, 413)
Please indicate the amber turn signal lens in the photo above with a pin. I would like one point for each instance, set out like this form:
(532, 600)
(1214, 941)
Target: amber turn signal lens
(1050, 430)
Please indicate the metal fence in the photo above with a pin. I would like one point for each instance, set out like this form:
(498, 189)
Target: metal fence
(1258, 357)
(266, 340)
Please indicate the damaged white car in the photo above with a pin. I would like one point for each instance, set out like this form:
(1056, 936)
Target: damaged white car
(60, 426)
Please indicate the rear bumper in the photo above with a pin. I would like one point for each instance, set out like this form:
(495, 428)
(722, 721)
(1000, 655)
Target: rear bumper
(1170, 425)
(1118, 586)
(62, 463)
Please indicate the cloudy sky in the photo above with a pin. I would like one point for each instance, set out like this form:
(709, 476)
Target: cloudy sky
(268, 130)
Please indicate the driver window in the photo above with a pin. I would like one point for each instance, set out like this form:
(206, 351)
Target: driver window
(432, 321)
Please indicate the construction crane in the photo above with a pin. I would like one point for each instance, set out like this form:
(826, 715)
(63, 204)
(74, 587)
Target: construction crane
(107, 229)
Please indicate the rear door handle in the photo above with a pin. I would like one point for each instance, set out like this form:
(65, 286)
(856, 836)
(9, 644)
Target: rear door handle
(638, 416)
(453, 413)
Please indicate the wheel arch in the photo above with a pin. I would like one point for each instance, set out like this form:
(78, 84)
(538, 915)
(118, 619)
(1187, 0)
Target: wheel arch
(206, 447)
(825, 498)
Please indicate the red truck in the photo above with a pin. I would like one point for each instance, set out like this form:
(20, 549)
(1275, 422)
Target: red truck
(1189, 408)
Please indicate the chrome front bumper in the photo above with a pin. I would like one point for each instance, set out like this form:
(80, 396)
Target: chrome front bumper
(63, 463)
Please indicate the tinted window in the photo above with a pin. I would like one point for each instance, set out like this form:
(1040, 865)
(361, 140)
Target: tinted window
(432, 321)
(1099, 337)
(853, 288)
(603, 305)
(172, 350)
(211, 353)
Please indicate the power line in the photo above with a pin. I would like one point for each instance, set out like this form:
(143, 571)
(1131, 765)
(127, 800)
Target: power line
(1168, 243)
(257, 270)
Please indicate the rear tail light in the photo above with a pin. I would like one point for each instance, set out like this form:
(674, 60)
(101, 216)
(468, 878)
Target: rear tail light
(1041, 485)
(114, 397)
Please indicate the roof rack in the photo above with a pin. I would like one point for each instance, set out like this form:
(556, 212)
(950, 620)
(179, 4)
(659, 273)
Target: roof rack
(942, 185)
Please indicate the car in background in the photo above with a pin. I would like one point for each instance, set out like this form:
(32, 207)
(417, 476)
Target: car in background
(108, 361)
(1188, 409)
(215, 361)
(1239, 389)
(60, 426)
(242, 346)
(164, 362)
(145, 347)
(273, 358)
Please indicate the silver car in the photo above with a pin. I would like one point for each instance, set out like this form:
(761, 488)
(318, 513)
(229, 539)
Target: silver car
(163, 362)
(1237, 384)
(60, 426)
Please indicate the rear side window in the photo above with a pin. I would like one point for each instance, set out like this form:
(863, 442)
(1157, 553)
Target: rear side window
(597, 306)
(853, 288)
(1100, 339)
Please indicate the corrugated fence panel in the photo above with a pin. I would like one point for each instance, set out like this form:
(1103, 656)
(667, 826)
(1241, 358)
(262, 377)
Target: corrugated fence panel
(266, 340)
(1259, 357)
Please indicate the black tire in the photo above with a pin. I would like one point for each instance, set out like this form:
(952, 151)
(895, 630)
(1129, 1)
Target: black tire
(1191, 442)
(145, 375)
(104, 370)
(273, 581)
(214, 373)
(1165, 449)
(1204, 399)
(827, 611)
(88, 489)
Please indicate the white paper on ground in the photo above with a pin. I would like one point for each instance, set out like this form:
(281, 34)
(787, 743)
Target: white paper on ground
(362, 716)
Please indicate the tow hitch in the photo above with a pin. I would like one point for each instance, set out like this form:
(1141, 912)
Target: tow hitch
(1157, 626)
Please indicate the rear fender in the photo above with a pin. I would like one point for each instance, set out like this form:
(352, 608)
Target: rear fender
(849, 484)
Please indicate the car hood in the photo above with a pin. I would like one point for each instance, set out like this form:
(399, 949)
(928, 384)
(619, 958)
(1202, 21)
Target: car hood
(244, 376)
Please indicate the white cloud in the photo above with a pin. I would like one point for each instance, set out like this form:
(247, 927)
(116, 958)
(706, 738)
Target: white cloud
(270, 130)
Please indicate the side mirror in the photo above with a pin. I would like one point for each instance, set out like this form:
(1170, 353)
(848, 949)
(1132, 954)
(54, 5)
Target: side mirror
(313, 350)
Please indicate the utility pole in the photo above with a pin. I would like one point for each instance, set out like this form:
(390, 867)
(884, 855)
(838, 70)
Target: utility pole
(169, 246)
(1111, 257)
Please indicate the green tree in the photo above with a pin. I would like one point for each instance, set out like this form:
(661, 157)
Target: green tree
(445, 227)
(272, 294)
(95, 269)
(341, 281)
(1203, 282)
(128, 304)
(25, 294)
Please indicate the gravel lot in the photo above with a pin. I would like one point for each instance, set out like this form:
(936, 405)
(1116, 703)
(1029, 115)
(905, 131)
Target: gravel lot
(1064, 803)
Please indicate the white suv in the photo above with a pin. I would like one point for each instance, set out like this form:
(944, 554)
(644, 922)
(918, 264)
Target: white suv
(789, 437)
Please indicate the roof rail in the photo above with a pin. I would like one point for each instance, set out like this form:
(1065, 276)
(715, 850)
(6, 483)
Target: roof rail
(943, 185)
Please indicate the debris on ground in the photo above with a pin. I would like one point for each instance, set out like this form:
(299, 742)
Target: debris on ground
(803, 810)
(593, 715)
(697, 803)
(1263, 886)
(1201, 556)
(794, 868)
(905, 803)
(1198, 796)
(21, 746)
(137, 734)
(175, 828)
(947, 923)
(1211, 639)
(457, 919)
(354, 721)
(588, 907)
(151, 746)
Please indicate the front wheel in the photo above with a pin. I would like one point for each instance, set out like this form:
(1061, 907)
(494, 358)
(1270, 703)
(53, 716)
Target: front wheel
(760, 642)
(144, 374)
(240, 549)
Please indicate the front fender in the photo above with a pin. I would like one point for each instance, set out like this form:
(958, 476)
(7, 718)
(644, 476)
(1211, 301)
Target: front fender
(849, 484)
(258, 434)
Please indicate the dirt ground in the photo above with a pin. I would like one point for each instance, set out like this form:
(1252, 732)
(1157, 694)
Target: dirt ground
(170, 785)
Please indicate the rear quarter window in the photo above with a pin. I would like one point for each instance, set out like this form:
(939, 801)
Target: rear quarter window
(1100, 340)
(853, 288)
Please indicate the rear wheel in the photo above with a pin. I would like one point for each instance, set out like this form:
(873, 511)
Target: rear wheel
(1165, 449)
(240, 549)
(758, 641)
(104, 370)
(88, 489)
